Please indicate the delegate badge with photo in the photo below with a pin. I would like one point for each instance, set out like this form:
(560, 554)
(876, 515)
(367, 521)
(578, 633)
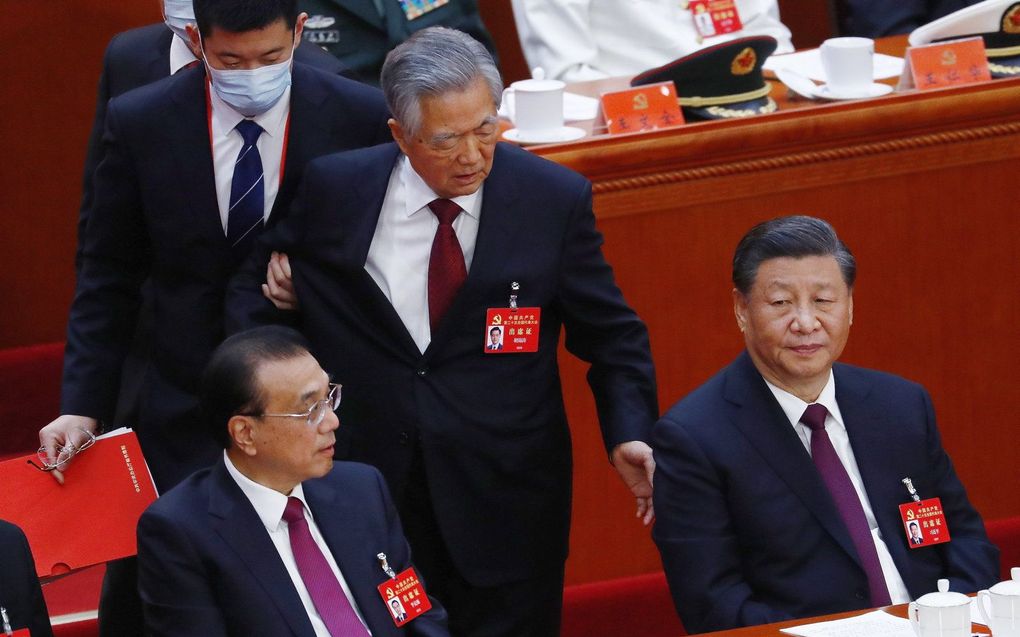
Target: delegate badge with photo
(404, 597)
(715, 17)
(417, 8)
(512, 331)
(924, 523)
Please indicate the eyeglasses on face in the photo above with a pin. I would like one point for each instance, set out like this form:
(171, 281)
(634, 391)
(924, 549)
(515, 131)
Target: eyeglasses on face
(317, 412)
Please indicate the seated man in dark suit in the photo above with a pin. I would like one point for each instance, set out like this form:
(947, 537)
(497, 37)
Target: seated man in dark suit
(778, 482)
(275, 538)
(21, 600)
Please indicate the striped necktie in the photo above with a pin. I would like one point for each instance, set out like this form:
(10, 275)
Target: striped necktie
(247, 192)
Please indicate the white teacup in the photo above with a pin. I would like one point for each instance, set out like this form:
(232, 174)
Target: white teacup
(535, 106)
(941, 614)
(848, 63)
(1000, 606)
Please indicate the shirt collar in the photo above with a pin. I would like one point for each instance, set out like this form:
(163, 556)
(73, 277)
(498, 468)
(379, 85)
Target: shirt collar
(794, 407)
(180, 54)
(418, 195)
(225, 118)
(268, 504)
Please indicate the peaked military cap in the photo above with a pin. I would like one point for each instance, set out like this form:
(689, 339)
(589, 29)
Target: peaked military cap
(721, 81)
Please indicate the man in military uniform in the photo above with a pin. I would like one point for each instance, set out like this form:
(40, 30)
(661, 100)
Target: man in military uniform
(361, 32)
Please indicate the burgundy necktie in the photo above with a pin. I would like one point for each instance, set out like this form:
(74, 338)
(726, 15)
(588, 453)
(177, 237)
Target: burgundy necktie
(446, 261)
(323, 586)
(847, 502)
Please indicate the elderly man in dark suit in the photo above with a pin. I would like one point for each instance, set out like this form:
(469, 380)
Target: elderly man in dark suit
(778, 482)
(276, 538)
(403, 256)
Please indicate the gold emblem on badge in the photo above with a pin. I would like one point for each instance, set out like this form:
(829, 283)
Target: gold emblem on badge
(948, 58)
(1011, 20)
(744, 62)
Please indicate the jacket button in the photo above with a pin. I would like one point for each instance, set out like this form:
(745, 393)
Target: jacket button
(422, 371)
(404, 437)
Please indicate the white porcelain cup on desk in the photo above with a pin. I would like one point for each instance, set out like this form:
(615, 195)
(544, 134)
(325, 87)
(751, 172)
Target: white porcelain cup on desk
(849, 63)
(535, 106)
(941, 614)
(1000, 606)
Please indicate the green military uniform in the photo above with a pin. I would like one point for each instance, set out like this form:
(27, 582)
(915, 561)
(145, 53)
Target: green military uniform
(361, 32)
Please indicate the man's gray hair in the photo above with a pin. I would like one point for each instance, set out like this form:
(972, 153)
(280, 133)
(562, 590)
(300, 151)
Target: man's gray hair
(432, 62)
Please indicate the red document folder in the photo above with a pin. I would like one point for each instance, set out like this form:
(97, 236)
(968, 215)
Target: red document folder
(89, 519)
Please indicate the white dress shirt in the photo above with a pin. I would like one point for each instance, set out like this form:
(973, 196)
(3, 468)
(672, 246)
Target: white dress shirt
(227, 143)
(269, 505)
(578, 40)
(398, 259)
(180, 54)
(794, 408)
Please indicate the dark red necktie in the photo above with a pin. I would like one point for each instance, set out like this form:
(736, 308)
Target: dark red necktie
(446, 262)
(847, 501)
(323, 587)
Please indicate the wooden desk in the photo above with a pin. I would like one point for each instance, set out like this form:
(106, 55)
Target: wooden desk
(920, 185)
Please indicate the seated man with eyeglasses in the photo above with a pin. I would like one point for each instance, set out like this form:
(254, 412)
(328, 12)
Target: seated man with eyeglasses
(276, 538)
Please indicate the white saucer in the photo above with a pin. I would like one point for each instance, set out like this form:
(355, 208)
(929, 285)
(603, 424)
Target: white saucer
(561, 134)
(874, 90)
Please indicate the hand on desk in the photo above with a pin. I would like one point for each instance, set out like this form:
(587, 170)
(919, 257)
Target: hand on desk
(633, 461)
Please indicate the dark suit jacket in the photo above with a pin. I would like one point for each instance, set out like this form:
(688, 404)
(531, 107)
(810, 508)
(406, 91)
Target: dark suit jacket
(142, 56)
(492, 429)
(747, 530)
(155, 217)
(20, 593)
(355, 32)
(207, 566)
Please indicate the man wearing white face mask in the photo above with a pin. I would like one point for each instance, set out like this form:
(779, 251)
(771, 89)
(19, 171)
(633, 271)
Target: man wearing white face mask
(135, 58)
(147, 54)
(164, 215)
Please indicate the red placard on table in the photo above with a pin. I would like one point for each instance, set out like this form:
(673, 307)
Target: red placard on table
(89, 519)
(941, 64)
(642, 108)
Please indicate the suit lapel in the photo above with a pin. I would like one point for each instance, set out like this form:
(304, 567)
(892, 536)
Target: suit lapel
(501, 221)
(159, 62)
(241, 528)
(308, 135)
(359, 229)
(354, 549)
(762, 421)
(866, 430)
(193, 151)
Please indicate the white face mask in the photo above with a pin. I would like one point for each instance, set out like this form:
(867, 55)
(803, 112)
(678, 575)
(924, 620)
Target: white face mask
(251, 91)
(177, 14)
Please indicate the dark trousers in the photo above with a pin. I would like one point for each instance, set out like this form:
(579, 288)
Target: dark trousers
(526, 608)
(120, 607)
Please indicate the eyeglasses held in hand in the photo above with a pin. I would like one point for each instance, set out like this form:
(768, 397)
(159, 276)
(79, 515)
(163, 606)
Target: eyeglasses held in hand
(64, 454)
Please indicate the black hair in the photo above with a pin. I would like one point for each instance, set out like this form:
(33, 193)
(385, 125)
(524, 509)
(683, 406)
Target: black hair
(237, 16)
(794, 236)
(229, 383)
